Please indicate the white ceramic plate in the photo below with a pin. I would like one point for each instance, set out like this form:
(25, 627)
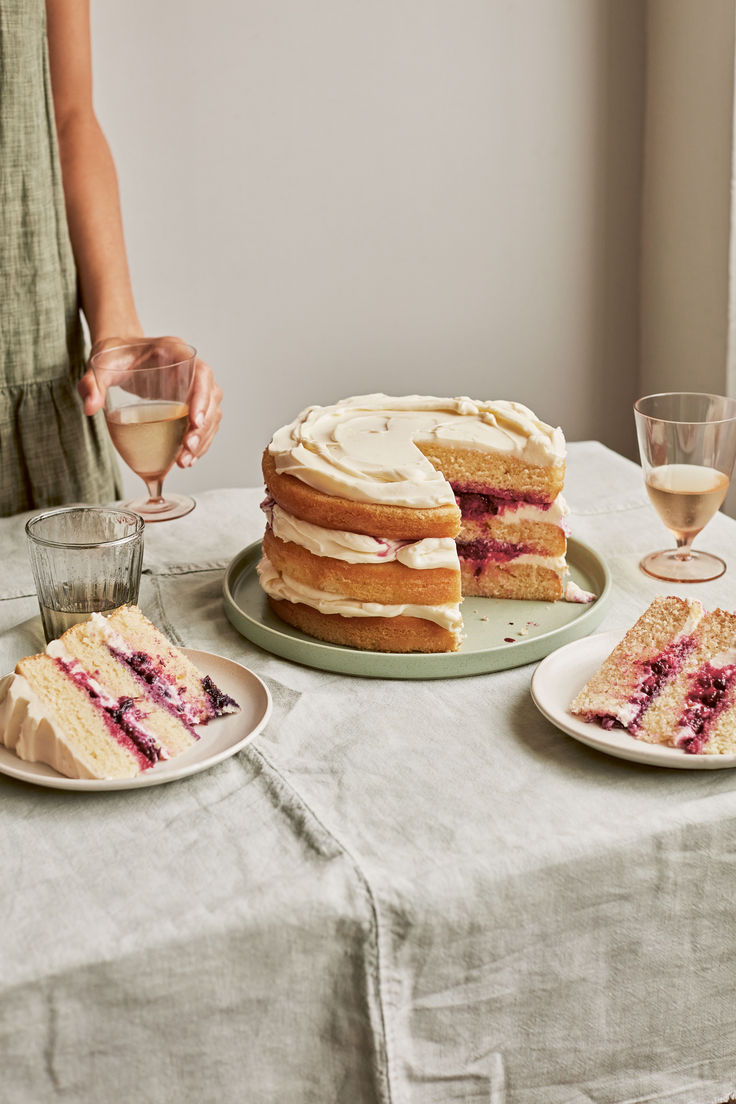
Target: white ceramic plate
(560, 676)
(218, 740)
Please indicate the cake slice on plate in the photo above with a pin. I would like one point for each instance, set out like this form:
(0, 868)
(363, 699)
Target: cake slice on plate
(649, 657)
(695, 710)
(110, 698)
(671, 680)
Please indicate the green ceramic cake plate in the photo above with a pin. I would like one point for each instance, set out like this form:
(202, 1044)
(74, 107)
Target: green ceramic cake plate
(500, 633)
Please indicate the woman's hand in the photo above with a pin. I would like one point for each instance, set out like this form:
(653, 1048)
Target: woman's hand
(205, 414)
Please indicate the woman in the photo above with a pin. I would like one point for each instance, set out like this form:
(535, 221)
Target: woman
(61, 248)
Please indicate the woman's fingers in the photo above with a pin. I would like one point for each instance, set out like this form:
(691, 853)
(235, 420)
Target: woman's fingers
(205, 414)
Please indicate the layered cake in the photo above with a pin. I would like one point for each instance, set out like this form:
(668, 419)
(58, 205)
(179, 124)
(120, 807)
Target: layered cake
(671, 679)
(110, 698)
(383, 512)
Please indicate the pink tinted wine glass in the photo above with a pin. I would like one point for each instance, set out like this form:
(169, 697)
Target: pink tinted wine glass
(687, 445)
(146, 387)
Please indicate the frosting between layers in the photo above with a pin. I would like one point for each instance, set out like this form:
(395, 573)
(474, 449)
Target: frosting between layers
(284, 587)
(558, 564)
(628, 712)
(422, 555)
(164, 692)
(144, 739)
(513, 511)
(363, 448)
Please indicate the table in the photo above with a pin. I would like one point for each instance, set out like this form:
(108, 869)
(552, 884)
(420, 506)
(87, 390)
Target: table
(402, 891)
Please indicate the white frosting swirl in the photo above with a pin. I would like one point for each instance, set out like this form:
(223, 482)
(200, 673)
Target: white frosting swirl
(423, 555)
(27, 727)
(365, 448)
(282, 586)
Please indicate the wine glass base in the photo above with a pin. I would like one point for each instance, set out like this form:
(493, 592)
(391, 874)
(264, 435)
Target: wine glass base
(169, 507)
(672, 566)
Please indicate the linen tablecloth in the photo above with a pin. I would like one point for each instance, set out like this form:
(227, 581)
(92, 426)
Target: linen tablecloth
(412, 892)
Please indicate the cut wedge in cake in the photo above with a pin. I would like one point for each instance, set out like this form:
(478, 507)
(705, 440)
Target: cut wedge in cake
(110, 698)
(512, 548)
(671, 680)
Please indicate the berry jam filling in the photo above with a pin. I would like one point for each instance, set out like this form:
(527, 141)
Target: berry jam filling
(163, 690)
(707, 697)
(483, 551)
(120, 715)
(221, 702)
(654, 676)
(475, 505)
(142, 664)
(145, 744)
(390, 547)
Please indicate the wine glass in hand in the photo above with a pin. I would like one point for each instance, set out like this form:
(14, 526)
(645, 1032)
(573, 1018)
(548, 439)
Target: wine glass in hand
(687, 444)
(146, 386)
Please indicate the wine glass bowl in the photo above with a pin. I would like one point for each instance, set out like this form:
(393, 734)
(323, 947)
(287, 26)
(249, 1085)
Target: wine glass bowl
(687, 445)
(146, 387)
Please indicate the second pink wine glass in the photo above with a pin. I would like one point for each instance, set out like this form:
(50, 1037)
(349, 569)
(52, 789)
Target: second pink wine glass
(687, 444)
(146, 387)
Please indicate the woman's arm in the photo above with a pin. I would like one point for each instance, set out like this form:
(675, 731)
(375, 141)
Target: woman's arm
(90, 180)
(95, 220)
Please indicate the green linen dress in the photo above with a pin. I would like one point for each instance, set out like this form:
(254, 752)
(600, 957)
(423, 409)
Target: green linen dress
(51, 453)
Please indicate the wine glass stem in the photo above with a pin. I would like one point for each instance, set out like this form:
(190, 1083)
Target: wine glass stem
(684, 547)
(155, 490)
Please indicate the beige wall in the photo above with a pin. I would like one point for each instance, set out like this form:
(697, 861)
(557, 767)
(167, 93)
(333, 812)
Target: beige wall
(687, 290)
(335, 197)
(686, 240)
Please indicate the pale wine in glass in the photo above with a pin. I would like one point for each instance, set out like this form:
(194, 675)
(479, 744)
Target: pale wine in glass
(687, 444)
(146, 388)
